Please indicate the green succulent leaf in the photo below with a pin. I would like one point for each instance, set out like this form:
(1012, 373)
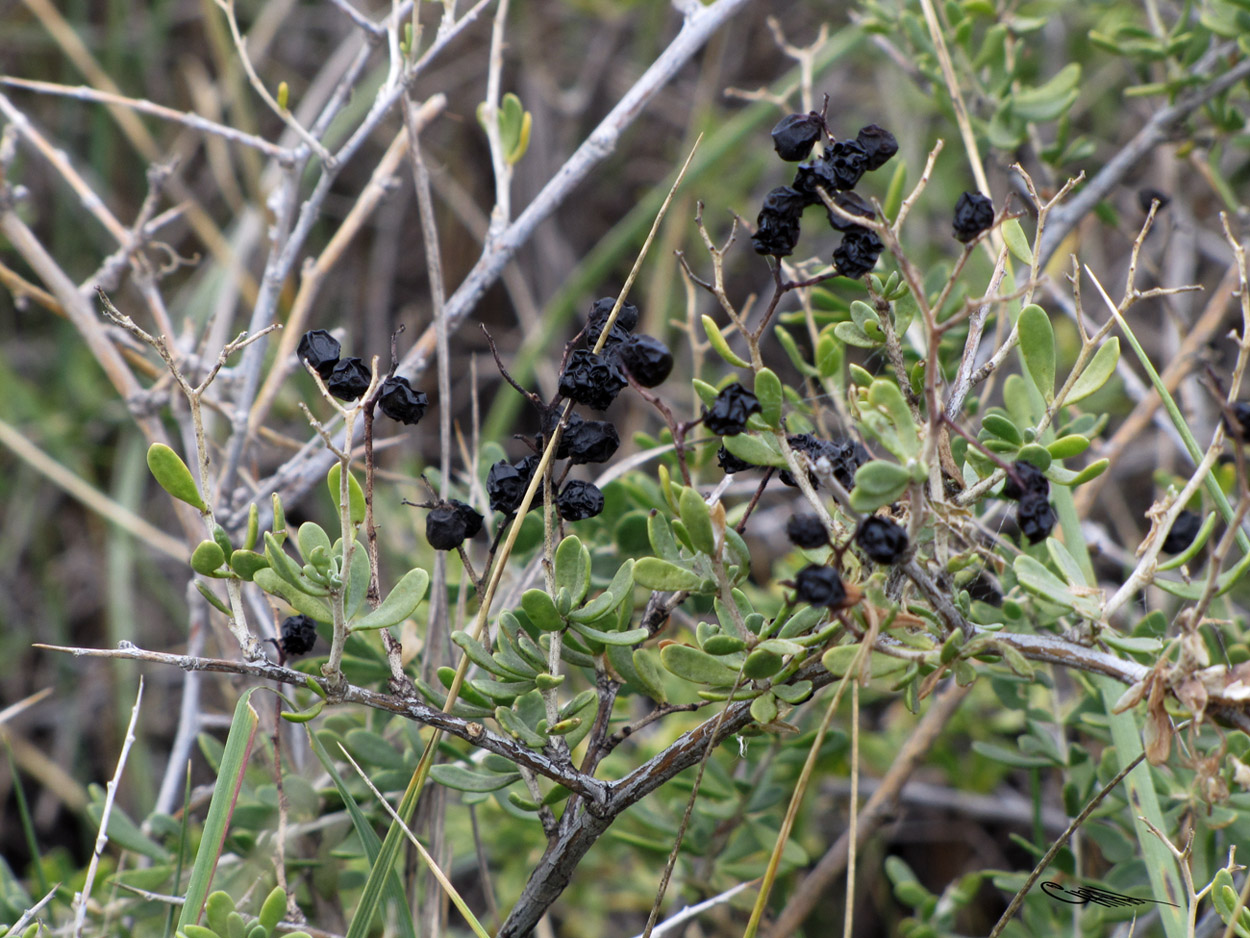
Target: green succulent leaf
(207, 558)
(768, 392)
(754, 449)
(246, 562)
(698, 520)
(461, 779)
(172, 474)
(1037, 346)
(655, 574)
(273, 909)
(1017, 241)
(355, 494)
(1100, 368)
(572, 570)
(299, 600)
(696, 665)
(400, 603)
(721, 345)
(878, 483)
(607, 601)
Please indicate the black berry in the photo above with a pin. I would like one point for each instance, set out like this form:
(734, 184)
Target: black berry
(840, 167)
(730, 463)
(321, 351)
(646, 358)
(777, 230)
(349, 380)
(879, 145)
(400, 402)
(858, 252)
(590, 441)
(1240, 429)
(729, 412)
(591, 379)
(983, 589)
(506, 484)
(471, 517)
(1035, 516)
(1147, 196)
(1184, 530)
(806, 531)
(1030, 479)
(579, 500)
(626, 321)
(881, 539)
(819, 586)
(844, 454)
(974, 213)
(299, 634)
(795, 135)
(445, 528)
(852, 204)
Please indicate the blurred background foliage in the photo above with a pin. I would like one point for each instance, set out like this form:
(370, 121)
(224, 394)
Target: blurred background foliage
(69, 576)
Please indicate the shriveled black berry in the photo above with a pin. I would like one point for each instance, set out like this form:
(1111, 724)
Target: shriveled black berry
(506, 484)
(1035, 516)
(1239, 429)
(881, 539)
(879, 145)
(470, 516)
(579, 500)
(840, 167)
(591, 441)
(1146, 197)
(853, 204)
(795, 135)
(400, 402)
(299, 634)
(1031, 480)
(858, 252)
(1184, 529)
(729, 412)
(591, 379)
(349, 380)
(845, 455)
(626, 321)
(646, 358)
(321, 351)
(730, 463)
(445, 528)
(819, 586)
(974, 213)
(807, 531)
(550, 419)
(982, 588)
(775, 235)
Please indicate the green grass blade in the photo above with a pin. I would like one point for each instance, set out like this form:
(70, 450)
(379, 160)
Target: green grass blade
(182, 847)
(28, 825)
(225, 793)
(394, 890)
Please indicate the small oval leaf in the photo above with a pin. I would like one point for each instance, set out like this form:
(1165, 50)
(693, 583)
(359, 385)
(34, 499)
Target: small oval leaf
(1037, 347)
(399, 604)
(697, 520)
(719, 343)
(207, 558)
(355, 494)
(1016, 240)
(655, 574)
(768, 392)
(1100, 368)
(694, 664)
(541, 609)
(173, 475)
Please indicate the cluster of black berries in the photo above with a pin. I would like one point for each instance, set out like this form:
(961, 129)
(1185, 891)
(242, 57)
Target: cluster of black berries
(595, 379)
(1034, 514)
(837, 171)
(451, 524)
(348, 378)
(299, 634)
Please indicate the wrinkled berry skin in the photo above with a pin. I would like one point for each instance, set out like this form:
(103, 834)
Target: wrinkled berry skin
(1184, 529)
(591, 441)
(445, 528)
(591, 379)
(878, 144)
(299, 634)
(974, 213)
(1035, 516)
(806, 531)
(775, 236)
(840, 167)
(853, 204)
(819, 586)
(626, 321)
(550, 420)
(349, 380)
(1241, 414)
(795, 135)
(729, 412)
(506, 484)
(1032, 478)
(858, 252)
(881, 540)
(579, 500)
(646, 358)
(729, 463)
(845, 454)
(400, 402)
(471, 517)
(321, 351)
